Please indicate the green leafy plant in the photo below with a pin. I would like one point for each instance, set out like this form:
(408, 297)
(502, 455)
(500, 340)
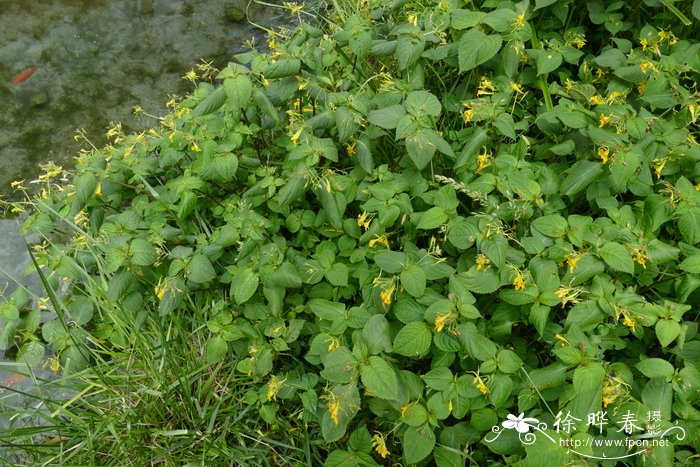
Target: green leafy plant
(421, 219)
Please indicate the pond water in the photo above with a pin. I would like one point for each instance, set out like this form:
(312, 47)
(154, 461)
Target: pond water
(81, 64)
(70, 64)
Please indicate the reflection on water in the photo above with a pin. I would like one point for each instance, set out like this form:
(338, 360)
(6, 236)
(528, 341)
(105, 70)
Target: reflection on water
(95, 60)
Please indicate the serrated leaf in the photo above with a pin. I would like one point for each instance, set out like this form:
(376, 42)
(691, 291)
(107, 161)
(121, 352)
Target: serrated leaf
(689, 225)
(655, 368)
(617, 257)
(418, 443)
(390, 261)
(387, 117)
(379, 378)
(432, 218)
(143, 253)
(244, 285)
(211, 103)
(551, 226)
(217, 347)
(422, 103)
(475, 48)
(239, 91)
(666, 331)
(413, 340)
(200, 269)
(413, 280)
(377, 335)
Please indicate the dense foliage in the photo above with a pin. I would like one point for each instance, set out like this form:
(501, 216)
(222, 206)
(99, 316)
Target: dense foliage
(412, 223)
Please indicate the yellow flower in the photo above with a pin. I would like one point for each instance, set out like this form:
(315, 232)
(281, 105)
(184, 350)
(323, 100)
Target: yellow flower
(578, 41)
(604, 120)
(572, 260)
(350, 149)
(615, 97)
(273, 387)
(613, 388)
(191, 76)
(518, 88)
(296, 135)
(386, 295)
(647, 66)
(640, 257)
(405, 408)
(596, 100)
(483, 161)
(644, 43)
(562, 340)
(480, 384)
(604, 154)
(440, 321)
(379, 444)
(568, 294)
(17, 184)
(482, 262)
(412, 19)
(333, 407)
(519, 281)
(519, 22)
(380, 239)
(363, 220)
(293, 7)
(486, 88)
(195, 148)
(333, 343)
(160, 290)
(659, 165)
(468, 115)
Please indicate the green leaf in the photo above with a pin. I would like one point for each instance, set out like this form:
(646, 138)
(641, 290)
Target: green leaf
(409, 48)
(655, 368)
(580, 175)
(211, 103)
(244, 285)
(475, 48)
(337, 275)
(200, 269)
(387, 117)
(282, 68)
(31, 353)
(142, 252)
(465, 19)
(324, 309)
(217, 347)
(551, 226)
(390, 261)
(548, 61)
(438, 378)
(501, 20)
(666, 331)
(415, 415)
(413, 340)
(543, 3)
(422, 103)
(376, 334)
(413, 280)
(508, 361)
(418, 443)
(432, 218)
(617, 257)
(379, 378)
(689, 225)
(691, 264)
(239, 91)
(340, 366)
(505, 125)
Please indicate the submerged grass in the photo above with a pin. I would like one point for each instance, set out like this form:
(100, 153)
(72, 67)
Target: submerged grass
(152, 403)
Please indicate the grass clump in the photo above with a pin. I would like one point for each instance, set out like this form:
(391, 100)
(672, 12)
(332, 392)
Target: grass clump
(385, 238)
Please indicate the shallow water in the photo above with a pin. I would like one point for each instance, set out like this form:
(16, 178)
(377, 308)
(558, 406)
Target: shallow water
(95, 60)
